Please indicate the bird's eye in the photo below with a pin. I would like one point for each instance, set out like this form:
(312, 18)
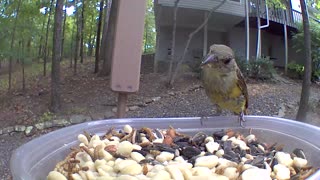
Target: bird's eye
(227, 61)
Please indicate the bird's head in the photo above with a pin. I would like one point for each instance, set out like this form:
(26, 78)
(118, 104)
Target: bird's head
(220, 58)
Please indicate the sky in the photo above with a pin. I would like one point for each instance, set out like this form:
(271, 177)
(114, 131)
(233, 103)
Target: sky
(70, 10)
(296, 5)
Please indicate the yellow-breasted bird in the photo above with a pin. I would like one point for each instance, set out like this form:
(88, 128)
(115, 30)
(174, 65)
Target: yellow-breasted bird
(223, 81)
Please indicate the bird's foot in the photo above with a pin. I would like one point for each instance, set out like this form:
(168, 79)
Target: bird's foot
(242, 120)
(203, 117)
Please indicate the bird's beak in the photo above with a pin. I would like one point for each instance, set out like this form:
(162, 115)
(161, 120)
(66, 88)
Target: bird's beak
(207, 59)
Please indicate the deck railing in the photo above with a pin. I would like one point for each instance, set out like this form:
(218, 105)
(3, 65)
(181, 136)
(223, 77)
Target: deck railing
(297, 16)
(290, 16)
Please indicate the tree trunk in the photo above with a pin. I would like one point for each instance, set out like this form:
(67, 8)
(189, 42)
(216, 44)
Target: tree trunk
(173, 45)
(12, 43)
(157, 12)
(189, 40)
(22, 59)
(28, 55)
(103, 43)
(76, 53)
(91, 39)
(92, 42)
(46, 41)
(82, 32)
(109, 34)
(64, 30)
(90, 48)
(40, 53)
(146, 37)
(56, 51)
(305, 93)
(97, 53)
(72, 46)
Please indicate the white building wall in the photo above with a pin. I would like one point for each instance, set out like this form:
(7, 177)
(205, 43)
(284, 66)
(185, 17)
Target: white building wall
(238, 41)
(215, 37)
(294, 56)
(272, 45)
(182, 34)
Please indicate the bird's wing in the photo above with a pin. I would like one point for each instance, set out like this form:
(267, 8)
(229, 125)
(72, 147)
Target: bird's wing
(243, 86)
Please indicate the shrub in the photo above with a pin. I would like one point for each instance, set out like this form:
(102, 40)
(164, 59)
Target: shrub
(315, 75)
(258, 69)
(243, 65)
(298, 44)
(46, 116)
(295, 70)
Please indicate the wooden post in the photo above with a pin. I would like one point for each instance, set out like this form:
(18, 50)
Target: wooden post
(122, 104)
(126, 58)
(205, 36)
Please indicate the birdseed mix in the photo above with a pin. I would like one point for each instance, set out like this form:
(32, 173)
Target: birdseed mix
(141, 154)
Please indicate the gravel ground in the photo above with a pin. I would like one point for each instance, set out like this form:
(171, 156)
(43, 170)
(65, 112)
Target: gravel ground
(7, 144)
(265, 99)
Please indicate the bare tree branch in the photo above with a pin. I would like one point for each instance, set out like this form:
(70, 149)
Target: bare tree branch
(173, 45)
(189, 40)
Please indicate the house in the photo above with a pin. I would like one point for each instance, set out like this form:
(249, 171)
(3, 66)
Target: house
(227, 25)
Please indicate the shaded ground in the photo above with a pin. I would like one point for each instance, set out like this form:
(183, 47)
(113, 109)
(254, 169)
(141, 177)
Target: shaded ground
(90, 95)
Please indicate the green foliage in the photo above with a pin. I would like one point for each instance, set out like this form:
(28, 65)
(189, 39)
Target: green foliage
(32, 71)
(298, 39)
(316, 75)
(30, 21)
(36, 70)
(4, 83)
(47, 116)
(149, 39)
(243, 65)
(295, 70)
(276, 3)
(257, 69)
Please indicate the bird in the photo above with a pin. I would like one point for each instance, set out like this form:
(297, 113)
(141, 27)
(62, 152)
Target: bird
(223, 81)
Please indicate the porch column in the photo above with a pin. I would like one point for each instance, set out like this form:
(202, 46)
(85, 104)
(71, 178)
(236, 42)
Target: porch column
(285, 42)
(205, 36)
(247, 31)
(258, 53)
